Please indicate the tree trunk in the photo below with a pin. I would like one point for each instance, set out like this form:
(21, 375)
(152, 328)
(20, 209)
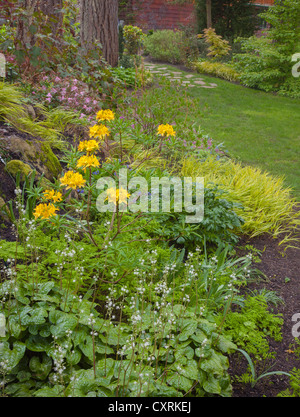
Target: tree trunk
(53, 13)
(99, 22)
(208, 13)
(52, 9)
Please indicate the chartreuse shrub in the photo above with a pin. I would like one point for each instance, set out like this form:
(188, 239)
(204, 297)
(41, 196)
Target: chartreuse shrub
(217, 48)
(267, 204)
(216, 69)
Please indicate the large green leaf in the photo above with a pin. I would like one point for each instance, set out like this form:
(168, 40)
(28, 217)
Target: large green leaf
(62, 322)
(12, 356)
(40, 369)
(213, 365)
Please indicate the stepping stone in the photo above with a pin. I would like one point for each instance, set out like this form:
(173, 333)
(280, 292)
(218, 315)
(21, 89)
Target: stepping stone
(185, 82)
(206, 86)
(191, 85)
(189, 76)
(213, 85)
(200, 82)
(178, 73)
(156, 72)
(164, 68)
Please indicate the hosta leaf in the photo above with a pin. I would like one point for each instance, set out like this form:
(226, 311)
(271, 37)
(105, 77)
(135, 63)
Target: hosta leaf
(73, 358)
(14, 355)
(188, 328)
(212, 385)
(213, 364)
(40, 369)
(180, 382)
(62, 322)
(33, 316)
(38, 344)
(56, 391)
(225, 345)
(198, 336)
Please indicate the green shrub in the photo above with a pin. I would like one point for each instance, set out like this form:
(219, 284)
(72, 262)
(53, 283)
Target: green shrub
(165, 45)
(266, 63)
(219, 225)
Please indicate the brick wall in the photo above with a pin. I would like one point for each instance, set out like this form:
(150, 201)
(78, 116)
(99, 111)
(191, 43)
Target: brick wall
(158, 14)
(263, 2)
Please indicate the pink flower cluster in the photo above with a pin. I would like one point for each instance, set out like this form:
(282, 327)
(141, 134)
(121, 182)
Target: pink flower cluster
(69, 93)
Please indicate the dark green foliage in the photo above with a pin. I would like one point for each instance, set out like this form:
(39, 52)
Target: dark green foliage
(267, 61)
(230, 18)
(220, 224)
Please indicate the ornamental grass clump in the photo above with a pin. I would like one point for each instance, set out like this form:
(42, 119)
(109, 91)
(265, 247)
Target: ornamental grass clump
(268, 206)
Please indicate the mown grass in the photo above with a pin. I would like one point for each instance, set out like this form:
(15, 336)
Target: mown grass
(257, 128)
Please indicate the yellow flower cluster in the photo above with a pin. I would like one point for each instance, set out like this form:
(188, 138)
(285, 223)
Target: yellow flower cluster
(88, 161)
(105, 115)
(51, 195)
(89, 146)
(117, 196)
(72, 180)
(99, 131)
(45, 211)
(166, 130)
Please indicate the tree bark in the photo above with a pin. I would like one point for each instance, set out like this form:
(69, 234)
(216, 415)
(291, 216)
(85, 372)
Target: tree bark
(208, 14)
(53, 13)
(52, 9)
(99, 22)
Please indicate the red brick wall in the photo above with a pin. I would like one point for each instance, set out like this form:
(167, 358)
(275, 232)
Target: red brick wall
(159, 14)
(263, 2)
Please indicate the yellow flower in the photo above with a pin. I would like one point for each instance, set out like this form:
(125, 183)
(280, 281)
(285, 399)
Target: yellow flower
(99, 131)
(105, 115)
(88, 162)
(45, 211)
(73, 180)
(117, 196)
(166, 130)
(53, 196)
(89, 146)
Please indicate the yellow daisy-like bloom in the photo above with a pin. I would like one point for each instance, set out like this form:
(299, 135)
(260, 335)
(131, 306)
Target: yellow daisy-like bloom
(88, 161)
(45, 211)
(72, 180)
(117, 196)
(53, 196)
(89, 146)
(103, 115)
(166, 130)
(99, 131)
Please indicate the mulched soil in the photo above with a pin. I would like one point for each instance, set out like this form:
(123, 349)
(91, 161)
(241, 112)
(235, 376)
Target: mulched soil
(281, 269)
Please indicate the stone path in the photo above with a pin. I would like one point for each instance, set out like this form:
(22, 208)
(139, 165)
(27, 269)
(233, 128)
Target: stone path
(180, 77)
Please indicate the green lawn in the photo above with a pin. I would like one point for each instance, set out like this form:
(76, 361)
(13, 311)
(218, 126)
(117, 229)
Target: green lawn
(258, 128)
